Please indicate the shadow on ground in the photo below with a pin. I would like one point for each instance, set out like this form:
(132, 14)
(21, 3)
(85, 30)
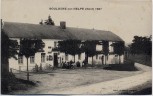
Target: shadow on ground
(146, 91)
(17, 84)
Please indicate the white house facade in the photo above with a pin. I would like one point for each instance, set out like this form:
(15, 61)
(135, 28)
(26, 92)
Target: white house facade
(50, 35)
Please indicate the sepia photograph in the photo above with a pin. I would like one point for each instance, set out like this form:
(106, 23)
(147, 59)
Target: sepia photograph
(76, 47)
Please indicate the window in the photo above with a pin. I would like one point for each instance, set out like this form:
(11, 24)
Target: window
(42, 57)
(66, 56)
(49, 47)
(50, 58)
(47, 58)
(55, 44)
(20, 59)
(32, 59)
(79, 56)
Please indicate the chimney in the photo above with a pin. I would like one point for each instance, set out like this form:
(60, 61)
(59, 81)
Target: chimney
(63, 24)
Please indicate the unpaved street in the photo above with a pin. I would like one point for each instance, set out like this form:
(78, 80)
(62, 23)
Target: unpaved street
(87, 81)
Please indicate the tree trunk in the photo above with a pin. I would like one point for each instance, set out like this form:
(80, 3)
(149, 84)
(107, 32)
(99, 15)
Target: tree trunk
(4, 63)
(27, 71)
(105, 59)
(146, 59)
(86, 60)
(101, 61)
(92, 61)
(74, 58)
(4, 75)
(119, 60)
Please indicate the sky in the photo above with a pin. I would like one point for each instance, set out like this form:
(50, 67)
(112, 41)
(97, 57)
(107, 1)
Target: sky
(125, 18)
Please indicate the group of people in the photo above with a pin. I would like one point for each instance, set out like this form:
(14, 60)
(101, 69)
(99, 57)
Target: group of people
(70, 65)
(66, 65)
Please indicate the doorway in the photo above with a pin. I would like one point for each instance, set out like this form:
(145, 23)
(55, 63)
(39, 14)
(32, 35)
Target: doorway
(55, 60)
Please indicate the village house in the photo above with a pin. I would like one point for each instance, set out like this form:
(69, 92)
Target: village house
(50, 35)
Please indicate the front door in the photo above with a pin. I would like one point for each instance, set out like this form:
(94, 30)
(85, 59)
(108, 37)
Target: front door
(102, 60)
(55, 60)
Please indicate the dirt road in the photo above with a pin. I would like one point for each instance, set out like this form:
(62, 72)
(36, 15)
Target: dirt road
(88, 81)
(113, 86)
(109, 87)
